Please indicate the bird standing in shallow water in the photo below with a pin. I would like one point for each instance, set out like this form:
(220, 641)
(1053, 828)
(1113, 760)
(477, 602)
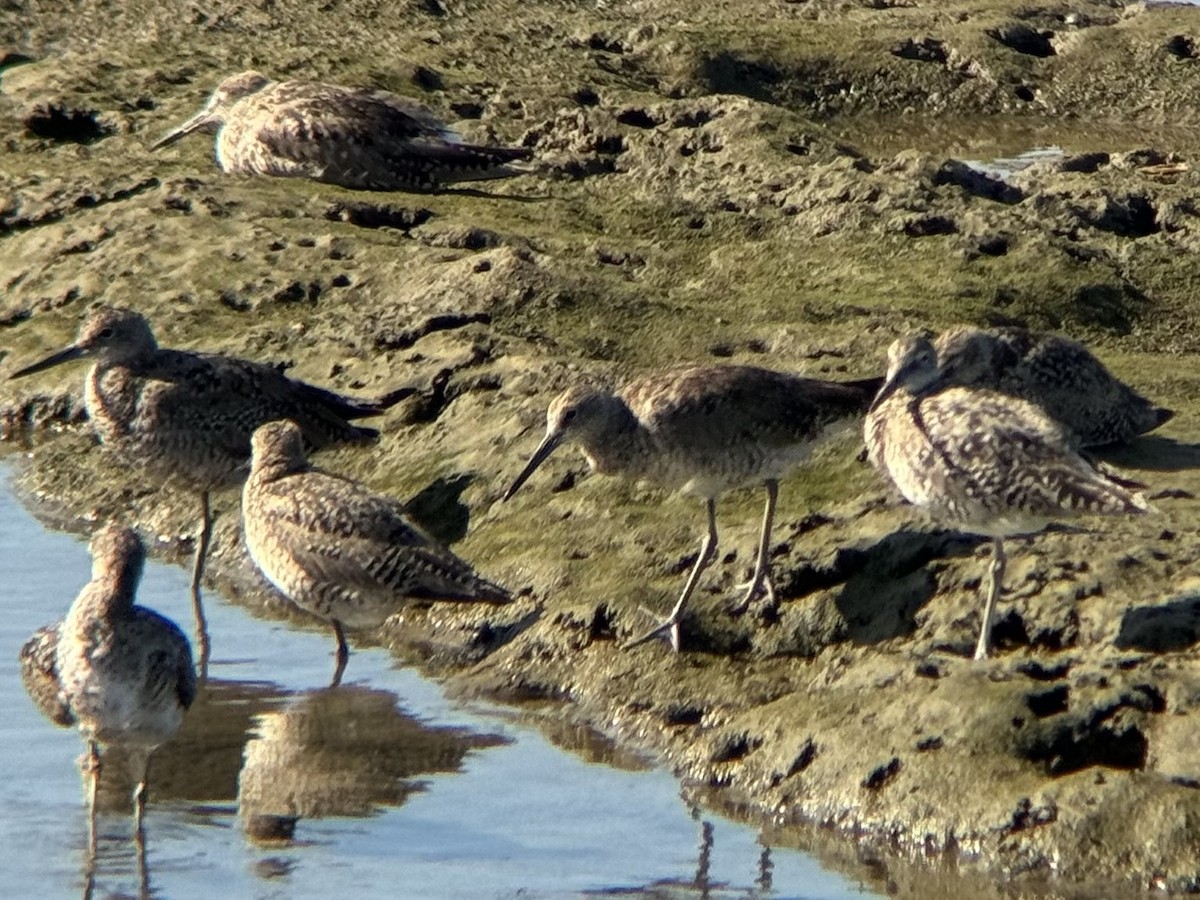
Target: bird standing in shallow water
(338, 550)
(355, 137)
(124, 673)
(190, 415)
(1061, 376)
(703, 430)
(981, 461)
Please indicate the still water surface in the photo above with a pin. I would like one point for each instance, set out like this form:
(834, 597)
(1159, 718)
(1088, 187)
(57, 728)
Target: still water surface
(393, 789)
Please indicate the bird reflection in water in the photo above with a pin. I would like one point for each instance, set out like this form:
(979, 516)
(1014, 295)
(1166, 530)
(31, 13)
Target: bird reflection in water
(701, 884)
(340, 752)
(198, 765)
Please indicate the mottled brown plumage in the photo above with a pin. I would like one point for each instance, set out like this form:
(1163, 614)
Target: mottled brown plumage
(39, 675)
(355, 137)
(703, 430)
(1061, 376)
(190, 415)
(981, 461)
(338, 550)
(124, 673)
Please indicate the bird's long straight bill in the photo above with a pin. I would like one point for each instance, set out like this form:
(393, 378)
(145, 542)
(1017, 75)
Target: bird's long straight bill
(195, 123)
(889, 388)
(545, 448)
(65, 355)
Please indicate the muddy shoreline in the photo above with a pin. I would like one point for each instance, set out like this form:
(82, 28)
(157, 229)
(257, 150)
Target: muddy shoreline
(782, 184)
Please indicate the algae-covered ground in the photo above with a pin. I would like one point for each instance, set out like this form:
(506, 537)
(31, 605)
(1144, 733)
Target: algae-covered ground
(779, 183)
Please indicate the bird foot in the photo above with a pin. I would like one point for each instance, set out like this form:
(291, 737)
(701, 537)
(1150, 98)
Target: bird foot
(669, 626)
(754, 587)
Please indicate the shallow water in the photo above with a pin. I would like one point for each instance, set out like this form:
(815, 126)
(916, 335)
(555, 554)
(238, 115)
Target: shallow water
(392, 789)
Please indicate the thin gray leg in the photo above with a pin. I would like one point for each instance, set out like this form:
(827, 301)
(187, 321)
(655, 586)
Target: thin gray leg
(93, 764)
(139, 796)
(995, 582)
(343, 653)
(761, 579)
(202, 645)
(708, 549)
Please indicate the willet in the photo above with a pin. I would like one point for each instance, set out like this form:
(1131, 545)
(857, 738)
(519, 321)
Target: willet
(338, 550)
(981, 461)
(703, 430)
(124, 672)
(1061, 376)
(356, 137)
(190, 415)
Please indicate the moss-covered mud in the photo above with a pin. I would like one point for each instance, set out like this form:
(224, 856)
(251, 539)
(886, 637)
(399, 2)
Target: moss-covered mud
(772, 182)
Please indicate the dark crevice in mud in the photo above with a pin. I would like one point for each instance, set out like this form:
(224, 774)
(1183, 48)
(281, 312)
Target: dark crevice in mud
(1181, 46)
(444, 390)
(1024, 38)
(977, 183)
(881, 775)
(1105, 734)
(366, 214)
(1049, 702)
(925, 50)
(11, 219)
(734, 748)
(63, 125)
(402, 340)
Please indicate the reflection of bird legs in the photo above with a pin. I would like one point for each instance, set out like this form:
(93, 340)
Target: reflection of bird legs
(343, 653)
(91, 766)
(704, 862)
(761, 579)
(708, 550)
(765, 879)
(995, 579)
(202, 543)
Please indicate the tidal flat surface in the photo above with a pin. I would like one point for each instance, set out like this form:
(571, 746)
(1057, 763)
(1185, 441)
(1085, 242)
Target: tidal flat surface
(393, 789)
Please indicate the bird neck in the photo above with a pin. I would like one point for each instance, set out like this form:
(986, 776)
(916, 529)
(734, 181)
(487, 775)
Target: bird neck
(273, 466)
(621, 447)
(105, 598)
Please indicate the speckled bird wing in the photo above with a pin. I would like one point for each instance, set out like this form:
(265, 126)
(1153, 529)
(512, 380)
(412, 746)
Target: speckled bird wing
(39, 675)
(1005, 453)
(168, 670)
(340, 533)
(225, 399)
(709, 408)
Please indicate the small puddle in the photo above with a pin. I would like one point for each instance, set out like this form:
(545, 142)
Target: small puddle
(381, 788)
(1004, 167)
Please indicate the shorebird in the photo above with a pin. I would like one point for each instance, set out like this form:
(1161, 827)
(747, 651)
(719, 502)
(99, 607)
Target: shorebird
(190, 415)
(1061, 376)
(338, 550)
(123, 673)
(981, 461)
(356, 137)
(703, 430)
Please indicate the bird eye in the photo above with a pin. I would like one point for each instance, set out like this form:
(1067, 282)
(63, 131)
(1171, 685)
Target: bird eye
(568, 416)
(107, 332)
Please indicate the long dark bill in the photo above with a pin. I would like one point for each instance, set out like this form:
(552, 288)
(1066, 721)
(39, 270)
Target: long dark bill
(545, 448)
(65, 355)
(195, 123)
